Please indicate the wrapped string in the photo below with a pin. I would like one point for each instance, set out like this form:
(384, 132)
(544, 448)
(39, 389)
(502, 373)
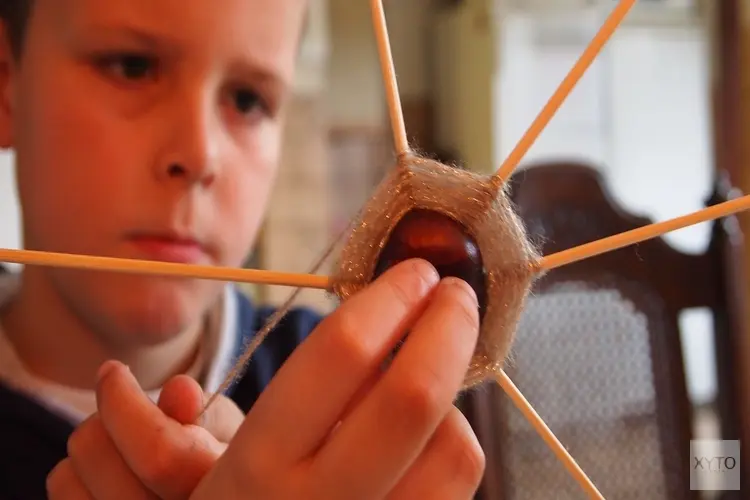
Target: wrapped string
(485, 211)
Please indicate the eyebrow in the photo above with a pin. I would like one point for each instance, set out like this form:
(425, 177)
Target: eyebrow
(252, 70)
(247, 67)
(143, 36)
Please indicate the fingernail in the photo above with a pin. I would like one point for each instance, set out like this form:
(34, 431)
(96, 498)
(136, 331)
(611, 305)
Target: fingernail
(462, 285)
(106, 368)
(426, 271)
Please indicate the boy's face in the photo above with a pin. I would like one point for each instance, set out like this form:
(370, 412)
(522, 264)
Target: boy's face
(151, 130)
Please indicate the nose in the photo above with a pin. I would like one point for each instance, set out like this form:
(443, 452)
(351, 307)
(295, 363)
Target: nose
(193, 141)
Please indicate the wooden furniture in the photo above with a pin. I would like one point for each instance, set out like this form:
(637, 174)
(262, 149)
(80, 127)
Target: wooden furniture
(598, 351)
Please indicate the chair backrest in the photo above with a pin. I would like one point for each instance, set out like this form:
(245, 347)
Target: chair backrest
(598, 352)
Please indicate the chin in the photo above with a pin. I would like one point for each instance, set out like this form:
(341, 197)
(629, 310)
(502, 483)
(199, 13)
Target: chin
(147, 310)
(162, 308)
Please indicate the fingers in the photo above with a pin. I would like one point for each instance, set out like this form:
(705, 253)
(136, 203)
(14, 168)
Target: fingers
(182, 399)
(64, 484)
(100, 467)
(321, 377)
(168, 457)
(450, 468)
(375, 445)
(222, 419)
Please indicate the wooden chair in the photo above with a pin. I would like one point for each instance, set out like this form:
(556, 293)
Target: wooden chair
(598, 351)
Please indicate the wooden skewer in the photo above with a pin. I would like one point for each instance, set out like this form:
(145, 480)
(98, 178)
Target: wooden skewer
(514, 393)
(52, 259)
(566, 87)
(400, 139)
(299, 280)
(644, 233)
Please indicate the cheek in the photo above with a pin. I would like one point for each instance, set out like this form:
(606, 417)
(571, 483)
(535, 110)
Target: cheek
(72, 164)
(244, 191)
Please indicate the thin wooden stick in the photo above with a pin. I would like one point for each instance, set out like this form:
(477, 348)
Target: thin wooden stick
(400, 140)
(566, 87)
(299, 280)
(514, 393)
(51, 259)
(644, 233)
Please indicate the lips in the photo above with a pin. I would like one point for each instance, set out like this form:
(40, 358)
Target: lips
(169, 247)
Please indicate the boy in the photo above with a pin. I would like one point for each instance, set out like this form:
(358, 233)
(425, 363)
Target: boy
(151, 129)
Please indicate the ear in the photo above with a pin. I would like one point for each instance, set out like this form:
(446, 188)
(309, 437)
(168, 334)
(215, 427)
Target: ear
(7, 77)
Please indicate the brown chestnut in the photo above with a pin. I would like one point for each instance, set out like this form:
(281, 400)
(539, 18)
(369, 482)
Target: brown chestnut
(443, 242)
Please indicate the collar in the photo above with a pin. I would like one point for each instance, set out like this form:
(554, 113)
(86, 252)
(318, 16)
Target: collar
(219, 347)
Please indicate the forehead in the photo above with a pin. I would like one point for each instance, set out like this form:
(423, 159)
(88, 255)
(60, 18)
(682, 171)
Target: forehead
(258, 29)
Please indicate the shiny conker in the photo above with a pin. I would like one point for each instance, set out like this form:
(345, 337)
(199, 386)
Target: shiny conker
(443, 242)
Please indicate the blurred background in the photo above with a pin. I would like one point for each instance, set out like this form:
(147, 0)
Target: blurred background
(627, 356)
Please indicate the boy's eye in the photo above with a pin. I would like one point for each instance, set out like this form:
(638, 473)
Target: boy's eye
(246, 101)
(135, 66)
(128, 66)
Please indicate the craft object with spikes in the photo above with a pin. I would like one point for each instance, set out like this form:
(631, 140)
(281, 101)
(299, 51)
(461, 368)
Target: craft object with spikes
(460, 221)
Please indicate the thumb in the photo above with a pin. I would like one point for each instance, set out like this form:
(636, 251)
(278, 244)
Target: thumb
(183, 400)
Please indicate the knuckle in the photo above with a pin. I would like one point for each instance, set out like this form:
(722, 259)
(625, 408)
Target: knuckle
(468, 462)
(420, 400)
(347, 342)
(465, 457)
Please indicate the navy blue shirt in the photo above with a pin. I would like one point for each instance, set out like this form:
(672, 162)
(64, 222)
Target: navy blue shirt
(33, 440)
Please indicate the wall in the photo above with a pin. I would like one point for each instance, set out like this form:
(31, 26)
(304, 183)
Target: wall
(355, 95)
(465, 51)
(355, 90)
(408, 29)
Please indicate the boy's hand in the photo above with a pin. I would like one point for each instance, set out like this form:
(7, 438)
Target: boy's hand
(332, 425)
(166, 456)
